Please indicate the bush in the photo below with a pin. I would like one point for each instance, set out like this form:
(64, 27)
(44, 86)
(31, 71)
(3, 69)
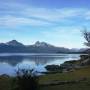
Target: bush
(26, 80)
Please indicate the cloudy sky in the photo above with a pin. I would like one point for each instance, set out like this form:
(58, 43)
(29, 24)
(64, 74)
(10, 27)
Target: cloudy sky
(58, 22)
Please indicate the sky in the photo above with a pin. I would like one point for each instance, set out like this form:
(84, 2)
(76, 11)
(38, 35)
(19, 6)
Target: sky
(58, 22)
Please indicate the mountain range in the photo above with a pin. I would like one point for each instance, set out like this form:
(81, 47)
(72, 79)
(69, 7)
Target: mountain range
(14, 46)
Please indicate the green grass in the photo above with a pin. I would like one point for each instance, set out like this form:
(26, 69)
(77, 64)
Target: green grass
(6, 82)
(78, 86)
(77, 74)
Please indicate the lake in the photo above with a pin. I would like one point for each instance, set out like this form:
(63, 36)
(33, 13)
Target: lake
(9, 63)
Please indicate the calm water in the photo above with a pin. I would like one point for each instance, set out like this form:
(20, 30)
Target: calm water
(9, 63)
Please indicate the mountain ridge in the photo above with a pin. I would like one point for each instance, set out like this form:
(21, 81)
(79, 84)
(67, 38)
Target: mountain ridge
(38, 47)
(14, 43)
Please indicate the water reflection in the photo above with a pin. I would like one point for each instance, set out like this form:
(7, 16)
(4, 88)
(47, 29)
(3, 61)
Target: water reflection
(10, 62)
(5, 68)
(14, 60)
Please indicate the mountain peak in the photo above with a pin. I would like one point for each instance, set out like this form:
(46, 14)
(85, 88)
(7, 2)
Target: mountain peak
(14, 43)
(42, 44)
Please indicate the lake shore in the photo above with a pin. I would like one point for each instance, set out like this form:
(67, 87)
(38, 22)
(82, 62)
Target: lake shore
(32, 61)
(60, 80)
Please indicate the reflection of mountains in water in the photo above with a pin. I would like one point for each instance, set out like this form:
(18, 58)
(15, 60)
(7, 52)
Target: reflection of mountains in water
(37, 59)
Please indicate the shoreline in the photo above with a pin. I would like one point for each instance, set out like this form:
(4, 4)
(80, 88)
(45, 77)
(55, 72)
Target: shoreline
(67, 66)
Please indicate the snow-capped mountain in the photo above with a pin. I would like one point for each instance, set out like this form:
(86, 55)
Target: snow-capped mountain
(14, 43)
(42, 44)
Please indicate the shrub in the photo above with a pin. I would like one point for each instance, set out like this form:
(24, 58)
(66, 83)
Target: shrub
(26, 80)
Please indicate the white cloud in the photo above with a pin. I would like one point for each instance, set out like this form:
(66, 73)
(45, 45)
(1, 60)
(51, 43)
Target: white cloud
(13, 14)
(13, 21)
(53, 14)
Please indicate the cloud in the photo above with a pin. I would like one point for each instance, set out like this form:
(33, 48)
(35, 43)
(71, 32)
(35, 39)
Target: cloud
(12, 21)
(17, 14)
(53, 14)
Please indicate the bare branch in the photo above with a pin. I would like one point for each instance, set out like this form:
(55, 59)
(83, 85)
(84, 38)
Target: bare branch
(87, 37)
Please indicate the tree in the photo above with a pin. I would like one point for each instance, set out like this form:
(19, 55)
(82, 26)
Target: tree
(87, 37)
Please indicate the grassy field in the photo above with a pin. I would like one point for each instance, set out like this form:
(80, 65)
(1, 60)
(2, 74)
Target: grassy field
(6, 82)
(78, 86)
(75, 75)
